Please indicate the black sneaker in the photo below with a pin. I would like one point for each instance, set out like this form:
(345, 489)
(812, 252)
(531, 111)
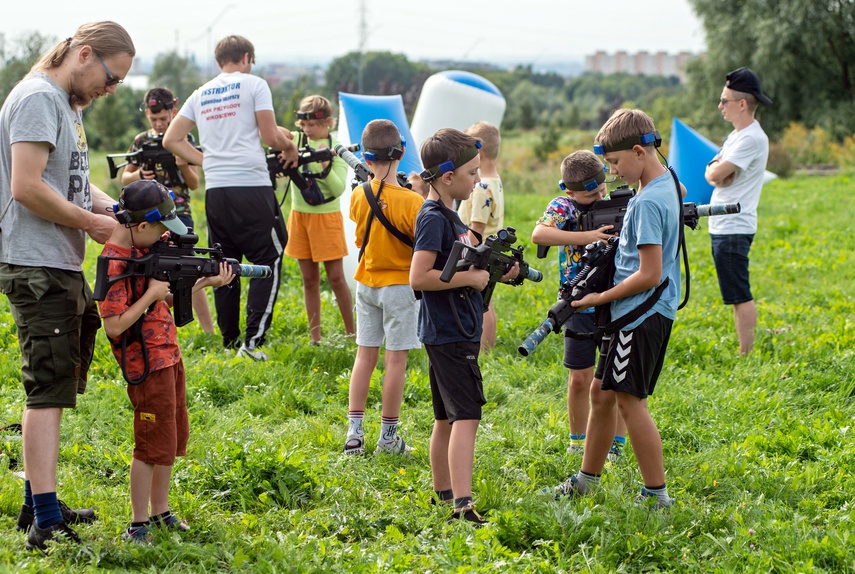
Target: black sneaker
(38, 536)
(26, 517)
(468, 514)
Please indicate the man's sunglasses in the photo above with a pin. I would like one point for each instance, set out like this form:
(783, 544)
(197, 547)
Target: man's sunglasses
(111, 79)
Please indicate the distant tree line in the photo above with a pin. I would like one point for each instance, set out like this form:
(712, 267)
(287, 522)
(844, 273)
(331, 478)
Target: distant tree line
(804, 53)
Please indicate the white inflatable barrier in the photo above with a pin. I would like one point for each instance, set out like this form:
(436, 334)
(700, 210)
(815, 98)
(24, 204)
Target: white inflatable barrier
(456, 99)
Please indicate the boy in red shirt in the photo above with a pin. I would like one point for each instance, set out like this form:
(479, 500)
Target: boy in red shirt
(149, 355)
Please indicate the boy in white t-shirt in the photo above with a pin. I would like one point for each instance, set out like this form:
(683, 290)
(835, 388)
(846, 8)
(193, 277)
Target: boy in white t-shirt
(737, 173)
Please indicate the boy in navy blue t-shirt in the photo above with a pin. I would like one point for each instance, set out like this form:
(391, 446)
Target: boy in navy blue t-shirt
(450, 317)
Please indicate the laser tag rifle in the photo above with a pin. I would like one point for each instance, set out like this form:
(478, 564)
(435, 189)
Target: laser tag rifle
(596, 276)
(612, 211)
(496, 255)
(176, 262)
(305, 155)
(152, 156)
(361, 172)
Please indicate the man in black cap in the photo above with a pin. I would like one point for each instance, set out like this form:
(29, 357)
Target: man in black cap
(737, 173)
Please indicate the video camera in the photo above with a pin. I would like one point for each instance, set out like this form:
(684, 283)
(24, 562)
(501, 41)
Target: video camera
(361, 171)
(496, 255)
(152, 156)
(176, 262)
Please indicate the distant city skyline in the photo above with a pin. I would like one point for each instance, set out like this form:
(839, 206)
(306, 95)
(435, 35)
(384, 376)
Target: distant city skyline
(540, 32)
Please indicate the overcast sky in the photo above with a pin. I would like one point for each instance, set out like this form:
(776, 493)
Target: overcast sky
(534, 31)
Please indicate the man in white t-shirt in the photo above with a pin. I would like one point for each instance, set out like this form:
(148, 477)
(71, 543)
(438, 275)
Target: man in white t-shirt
(737, 173)
(233, 112)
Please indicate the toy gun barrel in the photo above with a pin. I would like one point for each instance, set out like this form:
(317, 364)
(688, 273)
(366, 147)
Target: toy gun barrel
(360, 168)
(536, 337)
(532, 274)
(712, 209)
(252, 271)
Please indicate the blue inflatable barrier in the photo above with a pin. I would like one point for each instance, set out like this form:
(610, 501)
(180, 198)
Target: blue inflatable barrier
(689, 153)
(357, 110)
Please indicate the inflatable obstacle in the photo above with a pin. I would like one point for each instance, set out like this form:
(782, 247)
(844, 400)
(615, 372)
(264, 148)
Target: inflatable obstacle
(689, 153)
(456, 99)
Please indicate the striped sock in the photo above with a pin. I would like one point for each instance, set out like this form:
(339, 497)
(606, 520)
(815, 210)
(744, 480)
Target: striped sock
(617, 445)
(355, 423)
(577, 441)
(388, 429)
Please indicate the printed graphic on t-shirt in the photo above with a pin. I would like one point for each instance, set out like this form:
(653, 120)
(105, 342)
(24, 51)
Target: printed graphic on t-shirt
(221, 102)
(78, 170)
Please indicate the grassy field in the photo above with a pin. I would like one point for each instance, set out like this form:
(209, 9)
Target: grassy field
(757, 450)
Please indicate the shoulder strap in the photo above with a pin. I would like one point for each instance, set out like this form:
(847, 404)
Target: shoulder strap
(455, 220)
(378, 213)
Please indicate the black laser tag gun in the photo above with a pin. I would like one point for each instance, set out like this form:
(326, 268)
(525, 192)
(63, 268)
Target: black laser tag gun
(595, 277)
(611, 211)
(496, 255)
(178, 262)
(152, 156)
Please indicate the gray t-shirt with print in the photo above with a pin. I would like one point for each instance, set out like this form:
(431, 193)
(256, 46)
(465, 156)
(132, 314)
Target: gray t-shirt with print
(37, 110)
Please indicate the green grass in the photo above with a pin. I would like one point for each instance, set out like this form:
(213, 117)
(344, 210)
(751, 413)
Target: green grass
(758, 451)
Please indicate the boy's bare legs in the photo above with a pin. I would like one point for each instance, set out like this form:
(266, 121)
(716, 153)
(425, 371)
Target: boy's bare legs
(646, 442)
(311, 274)
(160, 483)
(360, 378)
(339, 286)
(601, 429)
(452, 455)
(393, 382)
(141, 489)
(578, 407)
(203, 311)
(439, 440)
(461, 456)
(745, 319)
(488, 331)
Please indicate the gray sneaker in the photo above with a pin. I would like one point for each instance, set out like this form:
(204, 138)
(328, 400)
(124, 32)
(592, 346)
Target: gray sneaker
(252, 352)
(646, 498)
(397, 446)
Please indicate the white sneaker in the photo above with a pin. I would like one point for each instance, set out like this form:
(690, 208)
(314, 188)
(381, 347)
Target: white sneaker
(252, 353)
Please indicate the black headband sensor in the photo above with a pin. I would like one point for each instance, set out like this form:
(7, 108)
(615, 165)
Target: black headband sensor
(318, 115)
(156, 105)
(391, 153)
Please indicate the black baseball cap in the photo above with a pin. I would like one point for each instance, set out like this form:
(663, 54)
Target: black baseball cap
(745, 80)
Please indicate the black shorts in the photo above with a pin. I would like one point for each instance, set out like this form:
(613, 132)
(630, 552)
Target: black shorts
(730, 253)
(580, 353)
(455, 381)
(630, 361)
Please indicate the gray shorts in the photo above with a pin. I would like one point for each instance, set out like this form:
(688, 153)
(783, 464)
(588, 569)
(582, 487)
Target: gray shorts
(391, 312)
